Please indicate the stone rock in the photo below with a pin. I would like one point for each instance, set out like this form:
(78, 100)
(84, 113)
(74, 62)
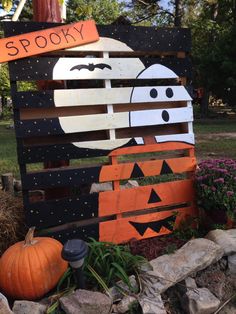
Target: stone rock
(190, 283)
(216, 281)
(107, 186)
(116, 291)
(124, 305)
(226, 239)
(152, 305)
(130, 184)
(228, 309)
(4, 306)
(169, 269)
(232, 263)
(86, 302)
(200, 301)
(100, 187)
(28, 307)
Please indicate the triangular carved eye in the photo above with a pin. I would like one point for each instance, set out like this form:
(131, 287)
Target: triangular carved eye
(137, 172)
(165, 169)
(154, 197)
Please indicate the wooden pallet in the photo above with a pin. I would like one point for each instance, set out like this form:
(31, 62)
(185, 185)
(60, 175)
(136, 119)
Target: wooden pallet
(122, 113)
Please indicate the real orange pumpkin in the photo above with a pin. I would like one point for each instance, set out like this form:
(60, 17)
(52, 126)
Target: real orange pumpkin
(31, 268)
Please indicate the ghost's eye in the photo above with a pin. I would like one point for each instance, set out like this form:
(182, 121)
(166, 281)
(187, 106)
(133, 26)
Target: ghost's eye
(165, 116)
(153, 93)
(169, 92)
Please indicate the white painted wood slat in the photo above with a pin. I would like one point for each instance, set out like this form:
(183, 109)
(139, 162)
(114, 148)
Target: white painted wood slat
(104, 96)
(94, 122)
(184, 137)
(103, 44)
(160, 116)
(97, 68)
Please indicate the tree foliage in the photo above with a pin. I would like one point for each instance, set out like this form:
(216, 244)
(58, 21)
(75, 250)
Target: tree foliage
(212, 22)
(213, 25)
(102, 11)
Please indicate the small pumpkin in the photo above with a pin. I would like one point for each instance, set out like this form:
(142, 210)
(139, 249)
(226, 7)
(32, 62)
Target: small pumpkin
(31, 268)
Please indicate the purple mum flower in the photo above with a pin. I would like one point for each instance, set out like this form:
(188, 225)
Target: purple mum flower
(219, 180)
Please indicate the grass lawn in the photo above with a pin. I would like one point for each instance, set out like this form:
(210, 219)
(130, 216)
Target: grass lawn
(207, 146)
(214, 126)
(8, 157)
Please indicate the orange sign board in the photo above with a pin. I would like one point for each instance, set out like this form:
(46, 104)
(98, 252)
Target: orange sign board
(50, 39)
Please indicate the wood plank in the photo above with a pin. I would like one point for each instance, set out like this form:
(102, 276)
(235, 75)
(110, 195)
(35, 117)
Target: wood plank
(30, 69)
(159, 93)
(185, 137)
(146, 168)
(140, 38)
(98, 96)
(42, 41)
(95, 122)
(74, 176)
(53, 112)
(65, 233)
(60, 211)
(161, 147)
(76, 69)
(104, 44)
(42, 153)
(141, 227)
(86, 149)
(60, 177)
(65, 125)
(144, 197)
(159, 116)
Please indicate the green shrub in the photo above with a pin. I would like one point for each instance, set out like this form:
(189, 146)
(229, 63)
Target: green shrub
(111, 263)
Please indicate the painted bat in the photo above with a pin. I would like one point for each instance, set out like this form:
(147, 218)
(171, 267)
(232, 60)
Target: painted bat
(91, 66)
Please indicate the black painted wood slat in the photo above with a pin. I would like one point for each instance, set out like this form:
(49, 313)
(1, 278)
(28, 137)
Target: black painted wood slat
(56, 152)
(56, 212)
(139, 38)
(83, 233)
(30, 69)
(38, 127)
(56, 178)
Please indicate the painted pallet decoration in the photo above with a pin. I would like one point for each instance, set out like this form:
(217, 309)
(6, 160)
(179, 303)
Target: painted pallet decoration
(116, 109)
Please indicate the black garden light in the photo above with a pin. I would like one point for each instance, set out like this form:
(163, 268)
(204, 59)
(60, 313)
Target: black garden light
(74, 251)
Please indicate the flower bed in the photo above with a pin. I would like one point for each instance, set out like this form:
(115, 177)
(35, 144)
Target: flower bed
(216, 188)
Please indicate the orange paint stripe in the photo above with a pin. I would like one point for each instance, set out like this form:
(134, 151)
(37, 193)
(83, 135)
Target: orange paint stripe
(117, 202)
(149, 168)
(118, 231)
(150, 148)
(56, 38)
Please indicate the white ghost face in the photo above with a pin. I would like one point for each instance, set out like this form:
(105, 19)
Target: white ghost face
(106, 68)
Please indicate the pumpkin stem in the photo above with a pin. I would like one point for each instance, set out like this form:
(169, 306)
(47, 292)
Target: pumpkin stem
(29, 236)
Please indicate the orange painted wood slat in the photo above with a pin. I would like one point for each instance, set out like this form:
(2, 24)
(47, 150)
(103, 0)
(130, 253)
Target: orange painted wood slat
(144, 197)
(151, 148)
(123, 230)
(56, 38)
(147, 168)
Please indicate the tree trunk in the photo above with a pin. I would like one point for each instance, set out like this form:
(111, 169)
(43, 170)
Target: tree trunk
(7, 182)
(177, 20)
(204, 104)
(47, 11)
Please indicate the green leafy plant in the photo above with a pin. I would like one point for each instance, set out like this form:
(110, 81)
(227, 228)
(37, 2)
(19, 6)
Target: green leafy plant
(171, 248)
(108, 263)
(216, 187)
